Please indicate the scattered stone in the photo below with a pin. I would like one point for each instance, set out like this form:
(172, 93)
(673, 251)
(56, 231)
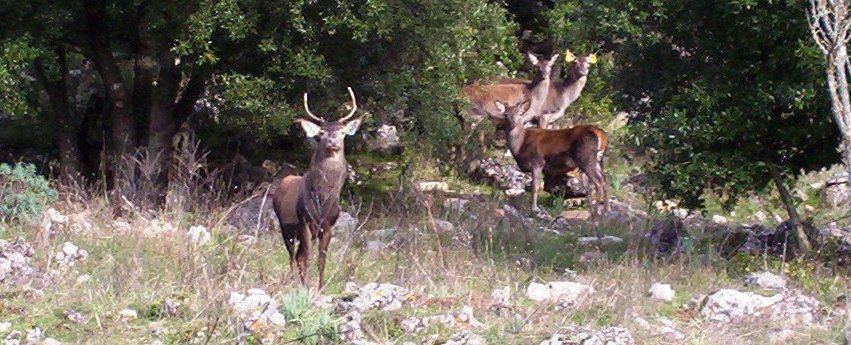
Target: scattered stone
(375, 246)
(258, 310)
(465, 338)
(384, 296)
(431, 186)
(157, 227)
(51, 341)
(565, 293)
(641, 322)
(350, 329)
(69, 255)
(13, 338)
(463, 319)
(719, 219)
(729, 305)
(199, 235)
(781, 336)
(501, 299)
(455, 204)
(766, 280)
(506, 177)
(837, 193)
(51, 217)
(74, 316)
(5, 326)
(128, 315)
(576, 215)
(82, 279)
(386, 140)
(33, 336)
(584, 336)
(15, 267)
(346, 223)
(603, 241)
(442, 226)
(662, 292)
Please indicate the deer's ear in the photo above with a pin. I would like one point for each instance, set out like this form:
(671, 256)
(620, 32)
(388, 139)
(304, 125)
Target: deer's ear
(500, 107)
(351, 127)
(568, 56)
(532, 58)
(553, 60)
(310, 129)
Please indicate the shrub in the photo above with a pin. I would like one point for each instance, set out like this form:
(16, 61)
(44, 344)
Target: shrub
(23, 193)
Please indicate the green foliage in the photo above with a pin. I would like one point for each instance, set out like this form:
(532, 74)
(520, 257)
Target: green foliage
(721, 98)
(23, 193)
(312, 325)
(15, 56)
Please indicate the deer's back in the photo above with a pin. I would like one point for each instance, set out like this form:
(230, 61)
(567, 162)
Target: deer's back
(286, 198)
(563, 148)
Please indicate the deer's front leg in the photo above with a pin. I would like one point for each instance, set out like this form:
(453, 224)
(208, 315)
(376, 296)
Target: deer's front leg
(537, 172)
(303, 255)
(324, 241)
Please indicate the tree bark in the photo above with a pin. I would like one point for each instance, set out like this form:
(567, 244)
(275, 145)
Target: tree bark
(789, 203)
(65, 129)
(162, 124)
(124, 138)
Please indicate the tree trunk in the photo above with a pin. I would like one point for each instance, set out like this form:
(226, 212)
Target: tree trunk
(124, 138)
(789, 203)
(162, 124)
(65, 129)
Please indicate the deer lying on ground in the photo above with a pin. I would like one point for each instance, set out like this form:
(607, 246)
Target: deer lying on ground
(483, 97)
(552, 153)
(561, 94)
(308, 206)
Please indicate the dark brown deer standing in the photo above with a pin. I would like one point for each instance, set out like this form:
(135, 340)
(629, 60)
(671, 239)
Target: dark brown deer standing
(308, 206)
(562, 93)
(552, 153)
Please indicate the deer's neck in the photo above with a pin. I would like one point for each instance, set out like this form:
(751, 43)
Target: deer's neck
(516, 135)
(538, 94)
(570, 89)
(326, 175)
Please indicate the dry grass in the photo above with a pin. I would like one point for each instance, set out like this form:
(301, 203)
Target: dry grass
(445, 271)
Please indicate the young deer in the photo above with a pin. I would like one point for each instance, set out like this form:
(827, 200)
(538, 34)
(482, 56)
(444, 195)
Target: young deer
(308, 206)
(483, 97)
(552, 153)
(563, 93)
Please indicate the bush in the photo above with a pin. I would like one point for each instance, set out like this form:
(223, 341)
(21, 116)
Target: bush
(23, 193)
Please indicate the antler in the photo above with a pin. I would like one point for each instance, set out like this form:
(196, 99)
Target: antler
(307, 109)
(354, 106)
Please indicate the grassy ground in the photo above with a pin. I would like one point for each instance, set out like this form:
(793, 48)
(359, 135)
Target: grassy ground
(444, 271)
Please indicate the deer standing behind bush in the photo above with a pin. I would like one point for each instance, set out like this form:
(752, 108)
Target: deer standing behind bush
(308, 206)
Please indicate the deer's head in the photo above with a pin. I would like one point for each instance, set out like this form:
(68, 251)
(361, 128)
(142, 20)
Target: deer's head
(543, 67)
(517, 115)
(330, 135)
(581, 64)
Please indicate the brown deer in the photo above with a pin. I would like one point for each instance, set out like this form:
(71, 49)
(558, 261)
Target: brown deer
(563, 93)
(483, 97)
(308, 206)
(552, 153)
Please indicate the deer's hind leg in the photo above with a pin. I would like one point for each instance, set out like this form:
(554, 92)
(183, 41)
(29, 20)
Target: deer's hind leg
(597, 195)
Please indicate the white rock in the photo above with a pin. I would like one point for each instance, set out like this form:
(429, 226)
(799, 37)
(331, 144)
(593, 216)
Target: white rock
(384, 296)
(729, 305)
(199, 235)
(128, 314)
(5, 326)
(84, 278)
(465, 338)
(345, 223)
(455, 204)
(605, 240)
(51, 341)
(5, 268)
(501, 298)
(641, 322)
(33, 336)
(662, 292)
(431, 186)
(719, 219)
(70, 254)
(538, 292)
(563, 292)
(766, 280)
(443, 226)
